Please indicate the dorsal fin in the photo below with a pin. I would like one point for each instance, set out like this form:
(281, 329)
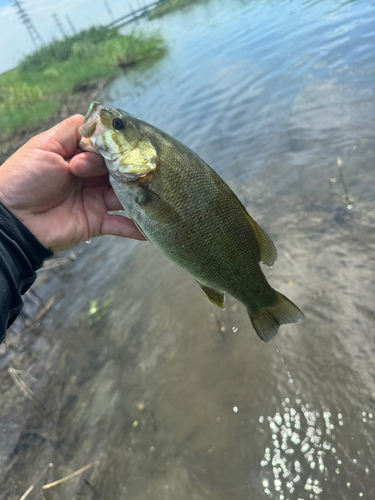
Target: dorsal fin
(268, 252)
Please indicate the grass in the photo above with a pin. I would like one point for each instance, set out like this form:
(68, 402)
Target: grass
(167, 6)
(39, 86)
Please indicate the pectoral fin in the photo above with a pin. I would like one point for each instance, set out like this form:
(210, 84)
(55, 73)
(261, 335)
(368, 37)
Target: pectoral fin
(268, 252)
(215, 296)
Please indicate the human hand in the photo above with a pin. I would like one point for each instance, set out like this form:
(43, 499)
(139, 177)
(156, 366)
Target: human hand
(61, 196)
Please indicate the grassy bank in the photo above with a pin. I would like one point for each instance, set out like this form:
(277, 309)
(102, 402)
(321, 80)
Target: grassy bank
(167, 6)
(36, 90)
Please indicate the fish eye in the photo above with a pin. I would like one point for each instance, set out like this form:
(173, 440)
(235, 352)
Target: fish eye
(118, 123)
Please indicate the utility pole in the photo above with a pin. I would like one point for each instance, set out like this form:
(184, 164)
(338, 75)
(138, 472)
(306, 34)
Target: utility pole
(71, 25)
(25, 19)
(58, 24)
(108, 9)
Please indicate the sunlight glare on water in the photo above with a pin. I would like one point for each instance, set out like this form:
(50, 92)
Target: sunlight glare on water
(301, 454)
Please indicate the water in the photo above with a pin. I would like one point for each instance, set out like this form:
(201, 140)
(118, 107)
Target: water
(173, 398)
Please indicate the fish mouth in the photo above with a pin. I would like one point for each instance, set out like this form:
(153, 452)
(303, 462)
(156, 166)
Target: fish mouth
(89, 127)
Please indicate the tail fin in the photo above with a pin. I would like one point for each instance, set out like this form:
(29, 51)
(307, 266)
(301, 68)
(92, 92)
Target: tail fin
(266, 321)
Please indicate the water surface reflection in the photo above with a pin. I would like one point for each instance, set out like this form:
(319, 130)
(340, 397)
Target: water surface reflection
(177, 400)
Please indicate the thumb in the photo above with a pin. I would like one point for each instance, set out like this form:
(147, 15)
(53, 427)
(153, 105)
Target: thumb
(63, 138)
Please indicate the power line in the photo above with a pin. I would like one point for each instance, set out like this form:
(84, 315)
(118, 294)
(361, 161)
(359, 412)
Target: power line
(25, 19)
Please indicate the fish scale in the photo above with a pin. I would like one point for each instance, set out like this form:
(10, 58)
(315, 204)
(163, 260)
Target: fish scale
(188, 212)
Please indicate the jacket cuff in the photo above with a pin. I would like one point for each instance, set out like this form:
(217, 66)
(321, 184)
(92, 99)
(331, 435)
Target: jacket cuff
(31, 247)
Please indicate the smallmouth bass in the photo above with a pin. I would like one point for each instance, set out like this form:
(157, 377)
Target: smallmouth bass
(184, 208)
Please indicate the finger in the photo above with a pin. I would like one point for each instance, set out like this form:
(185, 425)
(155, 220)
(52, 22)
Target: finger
(63, 138)
(111, 200)
(88, 165)
(117, 225)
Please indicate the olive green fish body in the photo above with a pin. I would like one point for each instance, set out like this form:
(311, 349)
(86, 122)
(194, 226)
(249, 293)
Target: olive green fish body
(205, 228)
(187, 211)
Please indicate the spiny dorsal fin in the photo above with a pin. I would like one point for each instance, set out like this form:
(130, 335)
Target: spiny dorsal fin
(268, 252)
(215, 296)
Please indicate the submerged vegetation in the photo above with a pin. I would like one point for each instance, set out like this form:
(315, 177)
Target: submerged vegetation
(39, 86)
(167, 6)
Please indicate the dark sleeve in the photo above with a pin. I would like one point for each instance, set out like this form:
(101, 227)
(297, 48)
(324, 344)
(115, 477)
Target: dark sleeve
(21, 255)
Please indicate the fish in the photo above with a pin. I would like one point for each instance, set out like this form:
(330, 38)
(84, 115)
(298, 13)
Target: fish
(188, 212)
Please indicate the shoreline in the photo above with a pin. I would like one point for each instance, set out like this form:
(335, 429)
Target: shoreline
(76, 103)
(63, 77)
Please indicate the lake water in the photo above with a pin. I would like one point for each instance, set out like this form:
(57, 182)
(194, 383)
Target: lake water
(173, 398)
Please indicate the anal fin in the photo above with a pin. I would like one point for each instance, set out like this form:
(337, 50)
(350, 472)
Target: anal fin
(214, 296)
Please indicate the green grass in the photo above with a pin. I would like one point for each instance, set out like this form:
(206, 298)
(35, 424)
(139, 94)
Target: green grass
(167, 6)
(39, 86)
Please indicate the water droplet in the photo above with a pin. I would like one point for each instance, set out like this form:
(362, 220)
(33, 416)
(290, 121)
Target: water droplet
(88, 241)
(339, 161)
(348, 485)
(235, 329)
(355, 147)
(235, 409)
(355, 460)
(261, 419)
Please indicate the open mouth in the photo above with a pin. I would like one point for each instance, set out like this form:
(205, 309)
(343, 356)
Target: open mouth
(91, 119)
(88, 128)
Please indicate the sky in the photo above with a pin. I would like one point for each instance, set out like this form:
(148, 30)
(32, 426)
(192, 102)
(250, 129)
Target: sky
(15, 40)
